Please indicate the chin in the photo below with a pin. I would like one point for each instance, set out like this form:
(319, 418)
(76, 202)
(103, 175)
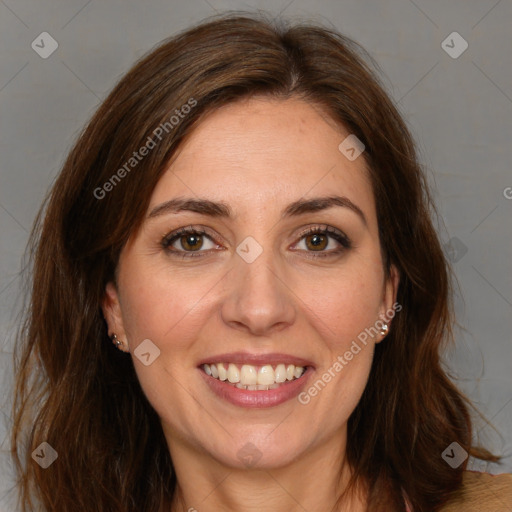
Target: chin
(252, 452)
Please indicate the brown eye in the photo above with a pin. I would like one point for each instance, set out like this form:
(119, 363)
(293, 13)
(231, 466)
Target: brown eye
(191, 242)
(324, 241)
(316, 242)
(187, 241)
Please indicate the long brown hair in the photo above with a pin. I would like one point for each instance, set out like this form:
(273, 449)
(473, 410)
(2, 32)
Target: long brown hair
(75, 391)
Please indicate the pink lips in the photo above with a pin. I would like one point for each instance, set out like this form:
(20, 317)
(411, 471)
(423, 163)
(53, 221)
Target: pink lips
(256, 359)
(257, 399)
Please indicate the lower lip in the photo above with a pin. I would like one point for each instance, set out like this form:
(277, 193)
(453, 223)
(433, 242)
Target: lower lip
(257, 399)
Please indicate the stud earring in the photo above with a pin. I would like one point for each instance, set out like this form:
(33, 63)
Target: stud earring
(384, 329)
(115, 341)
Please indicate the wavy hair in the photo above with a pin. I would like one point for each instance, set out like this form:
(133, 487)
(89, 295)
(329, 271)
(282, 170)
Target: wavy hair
(75, 391)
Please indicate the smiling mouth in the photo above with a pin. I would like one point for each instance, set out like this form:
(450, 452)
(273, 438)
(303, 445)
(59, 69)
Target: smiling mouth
(254, 378)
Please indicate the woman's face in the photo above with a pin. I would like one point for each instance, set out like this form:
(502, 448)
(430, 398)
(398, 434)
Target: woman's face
(252, 288)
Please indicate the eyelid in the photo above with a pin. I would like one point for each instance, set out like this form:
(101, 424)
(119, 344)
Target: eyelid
(339, 236)
(169, 238)
(324, 228)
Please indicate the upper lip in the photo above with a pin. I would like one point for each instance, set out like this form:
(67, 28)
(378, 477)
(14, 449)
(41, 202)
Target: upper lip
(256, 359)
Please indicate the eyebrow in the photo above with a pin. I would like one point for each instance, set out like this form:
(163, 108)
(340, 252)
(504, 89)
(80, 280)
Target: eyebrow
(223, 210)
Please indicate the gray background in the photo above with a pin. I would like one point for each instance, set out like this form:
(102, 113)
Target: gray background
(459, 111)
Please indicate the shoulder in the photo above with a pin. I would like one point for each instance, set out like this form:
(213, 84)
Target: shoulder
(482, 492)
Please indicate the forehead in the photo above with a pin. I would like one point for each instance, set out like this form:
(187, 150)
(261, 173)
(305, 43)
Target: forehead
(261, 152)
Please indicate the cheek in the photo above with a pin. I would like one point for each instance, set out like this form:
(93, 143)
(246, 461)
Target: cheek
(344, 305)
(169, 309)
(161, 305)
(345, 309)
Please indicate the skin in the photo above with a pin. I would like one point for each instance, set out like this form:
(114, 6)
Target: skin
(258, 156)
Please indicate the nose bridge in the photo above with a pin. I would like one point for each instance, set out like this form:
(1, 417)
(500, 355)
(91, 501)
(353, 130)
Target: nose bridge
(260, 277)
(258, 297)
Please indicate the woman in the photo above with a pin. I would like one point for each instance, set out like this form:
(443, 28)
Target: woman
(246, 220)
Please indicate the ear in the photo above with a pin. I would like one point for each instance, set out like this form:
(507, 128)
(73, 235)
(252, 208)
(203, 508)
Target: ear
(391, 288)
(389, 306)
(111, 308)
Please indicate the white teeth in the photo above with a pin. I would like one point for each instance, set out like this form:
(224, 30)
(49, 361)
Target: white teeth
(233, 373)
(248, 375)
(251, 378)
(266, 375)
(223, 374)
(280, 373)
(298, 371)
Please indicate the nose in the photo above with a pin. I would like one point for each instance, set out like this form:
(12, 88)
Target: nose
(258, 300)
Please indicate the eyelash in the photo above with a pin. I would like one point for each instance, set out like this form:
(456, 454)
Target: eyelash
(340, 237)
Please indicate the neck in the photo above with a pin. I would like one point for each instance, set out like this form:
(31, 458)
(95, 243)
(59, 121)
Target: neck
(313, 482)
